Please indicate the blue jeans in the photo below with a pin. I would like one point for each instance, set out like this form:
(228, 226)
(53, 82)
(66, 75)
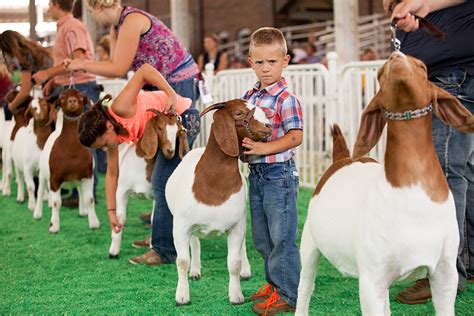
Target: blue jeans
(162, 225)
(273, 194)
(455, 151)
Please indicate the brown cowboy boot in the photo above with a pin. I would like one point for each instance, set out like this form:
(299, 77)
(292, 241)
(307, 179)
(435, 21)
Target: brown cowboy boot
(419, 293)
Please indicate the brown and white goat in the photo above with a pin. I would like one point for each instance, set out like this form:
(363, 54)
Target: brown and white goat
(18, 122)
(64, 161)
(136, 164)
(207, 195)
(27, 146)
(394, 221)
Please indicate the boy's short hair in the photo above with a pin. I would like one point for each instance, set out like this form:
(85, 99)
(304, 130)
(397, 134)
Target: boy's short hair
(268, 36)
(65, 5)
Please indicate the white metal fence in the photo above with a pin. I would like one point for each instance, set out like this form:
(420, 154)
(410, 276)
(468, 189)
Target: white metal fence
(336, 94)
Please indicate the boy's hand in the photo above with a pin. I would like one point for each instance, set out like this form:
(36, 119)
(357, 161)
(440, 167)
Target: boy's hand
(74, 64)
(255, 148)
(48, 87)
(114, 223)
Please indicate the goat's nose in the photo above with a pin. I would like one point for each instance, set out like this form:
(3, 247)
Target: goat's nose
(170, 151)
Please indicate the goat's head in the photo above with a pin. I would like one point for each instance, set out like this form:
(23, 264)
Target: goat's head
(405, 88)
(161, 132)
(234, 120)
(41, 111)
(72, 102)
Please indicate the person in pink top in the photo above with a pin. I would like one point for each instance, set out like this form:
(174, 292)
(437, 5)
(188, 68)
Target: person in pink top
(124, 121)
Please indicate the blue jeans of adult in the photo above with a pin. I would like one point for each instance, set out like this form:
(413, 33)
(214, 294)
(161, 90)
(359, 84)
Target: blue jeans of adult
(273, 194)
(455, 151)
(162, 226)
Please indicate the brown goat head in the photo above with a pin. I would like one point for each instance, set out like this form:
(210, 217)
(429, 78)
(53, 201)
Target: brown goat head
(233, 121)
(41, 111)
(404, 86)
(161, 131)
(72, 102)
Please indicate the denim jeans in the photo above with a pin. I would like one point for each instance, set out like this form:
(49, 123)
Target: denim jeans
(273, 193)
(162, 225)
(455, 151)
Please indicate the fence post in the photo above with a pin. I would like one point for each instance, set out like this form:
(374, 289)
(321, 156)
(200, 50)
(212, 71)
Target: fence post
(332, 89)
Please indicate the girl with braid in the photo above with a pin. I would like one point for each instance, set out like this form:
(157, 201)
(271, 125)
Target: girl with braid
(124, 121)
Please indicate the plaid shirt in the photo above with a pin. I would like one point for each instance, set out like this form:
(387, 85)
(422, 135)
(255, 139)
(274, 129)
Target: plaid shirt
(283, 110)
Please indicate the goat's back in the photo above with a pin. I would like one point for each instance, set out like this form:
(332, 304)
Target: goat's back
(359, 219)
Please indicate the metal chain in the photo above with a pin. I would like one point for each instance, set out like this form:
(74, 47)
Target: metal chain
(408, 115)
(395, 41)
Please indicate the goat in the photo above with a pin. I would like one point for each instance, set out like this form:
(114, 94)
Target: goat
(27, 146)
(394, 221)
(207, 195)
(18, 121)
(64, 161)
(136, 164)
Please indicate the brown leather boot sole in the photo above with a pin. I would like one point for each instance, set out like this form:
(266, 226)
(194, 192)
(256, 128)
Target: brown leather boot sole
(419, 293)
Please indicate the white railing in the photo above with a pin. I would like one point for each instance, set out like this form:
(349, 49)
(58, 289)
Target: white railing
(373, 32)
(334, 95)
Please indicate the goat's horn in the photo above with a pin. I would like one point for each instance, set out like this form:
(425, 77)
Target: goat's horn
(158, 113)
(213, 107)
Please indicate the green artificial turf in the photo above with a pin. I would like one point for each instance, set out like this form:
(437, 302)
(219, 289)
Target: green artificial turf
(70, 273)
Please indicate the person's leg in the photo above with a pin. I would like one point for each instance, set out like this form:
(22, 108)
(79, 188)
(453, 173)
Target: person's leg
(280, 185)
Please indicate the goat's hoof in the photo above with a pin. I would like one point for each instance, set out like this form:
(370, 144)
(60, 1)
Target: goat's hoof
(178, 304)
(195, 277)
(52, 229)
(246, 277)
(111, 256)
(236, 303)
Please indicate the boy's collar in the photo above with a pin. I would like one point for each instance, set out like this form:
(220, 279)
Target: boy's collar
(273, 89)
(64, 18)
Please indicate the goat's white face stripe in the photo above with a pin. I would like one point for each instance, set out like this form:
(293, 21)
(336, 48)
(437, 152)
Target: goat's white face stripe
(259, 115)
(171, 131)
(35, 105)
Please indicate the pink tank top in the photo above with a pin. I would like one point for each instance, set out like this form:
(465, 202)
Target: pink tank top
(135, 125)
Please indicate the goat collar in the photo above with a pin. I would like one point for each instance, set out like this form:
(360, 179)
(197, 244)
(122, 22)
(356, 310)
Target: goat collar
(245, 123)
(72, 118)
(408, 115)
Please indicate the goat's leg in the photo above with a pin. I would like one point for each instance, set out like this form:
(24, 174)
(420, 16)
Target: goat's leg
(372, 294)
(195, 271)
(56, 206)
(38, 213)
(122, 199)
(444, 283)
(87, 187)
(20, 193)
(245, 272)
(83, 211)
(234, 262)
(30, 188)
(182, 236)
(7, 172)
(310, 255)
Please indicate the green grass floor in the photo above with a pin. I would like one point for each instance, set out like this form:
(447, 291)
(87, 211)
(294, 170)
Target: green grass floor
(70, 273)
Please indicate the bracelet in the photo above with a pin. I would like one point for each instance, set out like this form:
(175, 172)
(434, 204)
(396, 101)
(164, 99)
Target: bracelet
(111, 210)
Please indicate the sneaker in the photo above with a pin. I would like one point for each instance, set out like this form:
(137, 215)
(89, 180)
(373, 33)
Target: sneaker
(263, 293)
(71, 202)
(149, 258)
(142, 243)
(273, 305)
(417, 294)
(146, 218)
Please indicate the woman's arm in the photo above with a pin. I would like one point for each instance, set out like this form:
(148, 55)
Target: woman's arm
(25, 88)
(111, 180)
(124, 50)
(201, 63)
(223, 62)
(126, 102)
(61, 69)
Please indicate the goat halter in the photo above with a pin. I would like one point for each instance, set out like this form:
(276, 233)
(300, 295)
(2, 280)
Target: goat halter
(408, 115)
(245, 123)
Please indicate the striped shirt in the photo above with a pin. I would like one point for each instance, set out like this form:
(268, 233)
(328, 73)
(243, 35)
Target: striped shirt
(283, 110)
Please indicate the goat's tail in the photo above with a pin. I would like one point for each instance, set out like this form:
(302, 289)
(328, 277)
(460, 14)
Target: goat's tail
(339, 146)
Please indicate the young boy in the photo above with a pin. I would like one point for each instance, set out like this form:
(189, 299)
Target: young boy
(273, 175)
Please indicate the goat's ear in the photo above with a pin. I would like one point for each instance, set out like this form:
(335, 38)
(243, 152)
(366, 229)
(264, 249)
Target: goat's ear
(149, 141)
(372, 124)
(183, 144)
(450, 110)
(225, 133)
(53, 114)
(87, 102)
(28, 114)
